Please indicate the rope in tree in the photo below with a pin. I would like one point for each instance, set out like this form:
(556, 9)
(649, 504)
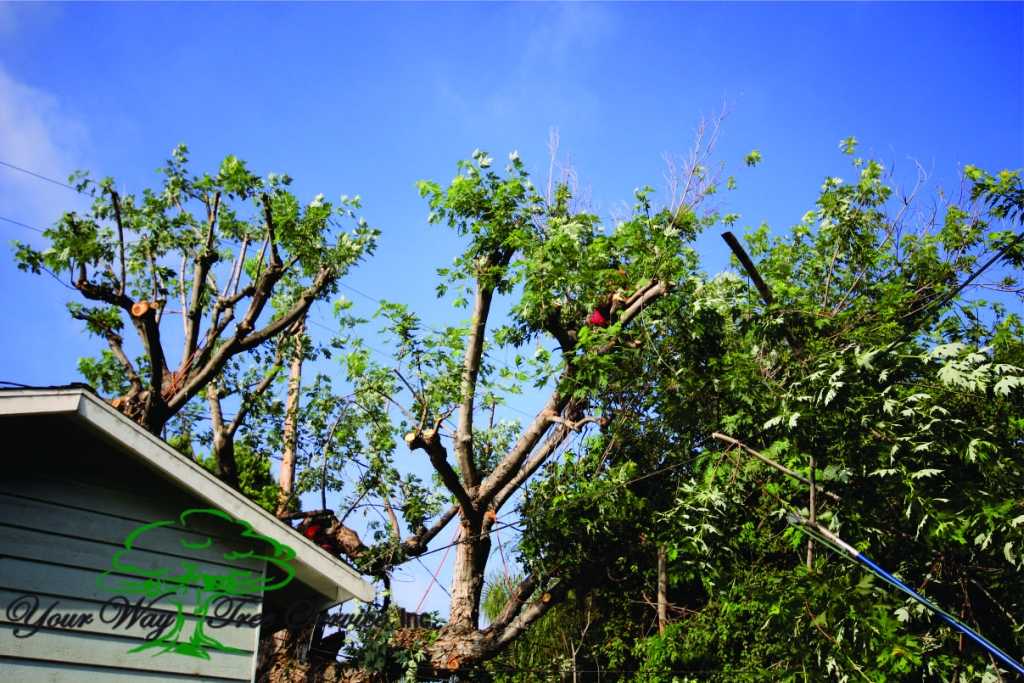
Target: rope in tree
(433, 579)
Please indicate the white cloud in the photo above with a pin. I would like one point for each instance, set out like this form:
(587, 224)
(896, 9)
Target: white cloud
(19, 19)
(37, 134)
(562, 35)
(545, 49)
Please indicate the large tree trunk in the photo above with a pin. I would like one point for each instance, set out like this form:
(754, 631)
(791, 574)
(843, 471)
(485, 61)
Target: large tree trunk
(468, 580)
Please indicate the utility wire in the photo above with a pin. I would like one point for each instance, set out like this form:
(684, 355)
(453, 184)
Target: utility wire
(926, 314)
(21, 224)
(41, 177)
(376, 301)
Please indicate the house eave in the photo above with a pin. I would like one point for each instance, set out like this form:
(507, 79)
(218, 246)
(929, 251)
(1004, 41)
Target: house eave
(313, 566)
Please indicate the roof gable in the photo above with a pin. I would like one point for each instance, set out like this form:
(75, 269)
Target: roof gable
(313, 566)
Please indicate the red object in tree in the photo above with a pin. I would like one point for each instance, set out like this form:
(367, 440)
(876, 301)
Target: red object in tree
(311, 531)
(602, 313)
(327, 547)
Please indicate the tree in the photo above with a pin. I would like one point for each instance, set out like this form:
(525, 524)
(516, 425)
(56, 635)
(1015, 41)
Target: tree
(856, 382)
(208, 571)
(549, 257)
(132, 255)
(861, 366)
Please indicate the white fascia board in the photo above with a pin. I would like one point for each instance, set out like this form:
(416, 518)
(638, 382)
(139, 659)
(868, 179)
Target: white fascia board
(313, 566)
(39, 401)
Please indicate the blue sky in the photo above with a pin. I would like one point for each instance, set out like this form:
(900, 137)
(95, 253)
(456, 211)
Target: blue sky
(368, 98)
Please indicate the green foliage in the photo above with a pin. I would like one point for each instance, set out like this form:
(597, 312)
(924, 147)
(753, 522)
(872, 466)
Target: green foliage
(254, 478)
(212, 246)
(907, 391)
(875, 355)
(921, 441)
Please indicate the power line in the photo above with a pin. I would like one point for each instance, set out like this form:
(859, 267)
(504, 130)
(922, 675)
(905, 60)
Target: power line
(21, 224)
(41, 177)
(359, 293)
(926, 314)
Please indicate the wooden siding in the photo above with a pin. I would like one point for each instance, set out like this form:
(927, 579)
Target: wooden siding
(67, 503)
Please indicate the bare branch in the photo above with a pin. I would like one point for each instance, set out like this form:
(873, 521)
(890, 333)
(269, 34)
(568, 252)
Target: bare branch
(391, 516)
(216, 415)
(509, 466)
(471, 370)
(532, 613)
(518, 598)
(210, 363)
(182, 290)
(236, 273)
(539, 457)
(417, 545)
(325, 276)
(120, 238)
(203, 262)
(430, 441)
(576, 426)
(782, 468)
(762, 288)
(290, 516)
(268, 214)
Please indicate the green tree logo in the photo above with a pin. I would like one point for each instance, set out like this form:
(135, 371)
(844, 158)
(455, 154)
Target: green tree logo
(208, 571)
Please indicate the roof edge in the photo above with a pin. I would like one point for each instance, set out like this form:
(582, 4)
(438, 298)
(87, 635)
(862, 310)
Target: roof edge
(317, 568)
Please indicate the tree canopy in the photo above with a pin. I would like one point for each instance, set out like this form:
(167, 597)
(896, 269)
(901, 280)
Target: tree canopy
(862, 370)
(217, 246)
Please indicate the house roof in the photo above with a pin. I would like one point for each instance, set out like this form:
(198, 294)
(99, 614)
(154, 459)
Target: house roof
(313, 566)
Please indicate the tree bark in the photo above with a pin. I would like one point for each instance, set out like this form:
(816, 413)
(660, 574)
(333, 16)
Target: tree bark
(468, 577)
(662, 588)
(223, 441)
(287, 478)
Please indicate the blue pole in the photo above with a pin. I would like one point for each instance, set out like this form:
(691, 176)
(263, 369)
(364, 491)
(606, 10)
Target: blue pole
(970, 633)
(822, 534)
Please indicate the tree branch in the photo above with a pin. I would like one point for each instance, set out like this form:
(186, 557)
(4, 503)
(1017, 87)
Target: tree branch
(762, 288)
(417, 545)
(553, 325)
(514, 605)
(246, 405)
(471, 369)
(236, 269)
(785, 470)
(532, 613)
(237, 343)
(511, 463)
(120, 238)
(268, 214)
(323, 278)
(216, 415)
(203, 262)
(634, 305)
(391, 516)
(535, 462)
(430, 441)
(114, 340)
(575, 426)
